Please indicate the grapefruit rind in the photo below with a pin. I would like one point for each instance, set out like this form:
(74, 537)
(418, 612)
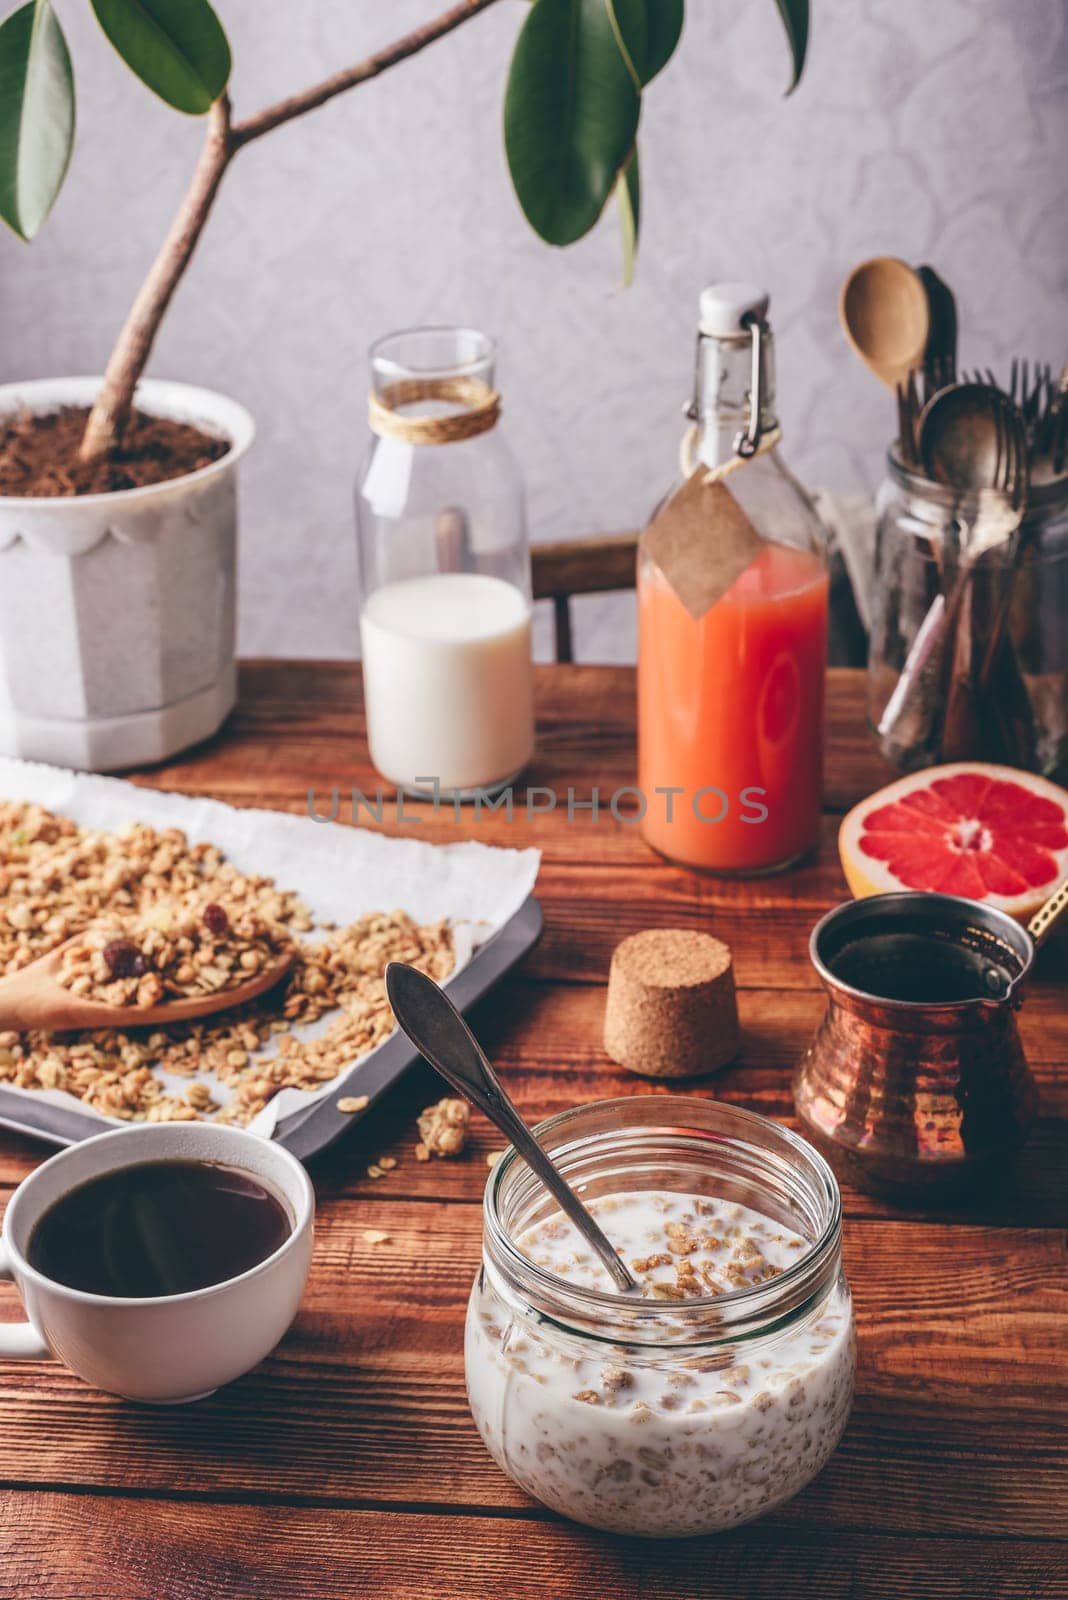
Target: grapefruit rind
(987, 832)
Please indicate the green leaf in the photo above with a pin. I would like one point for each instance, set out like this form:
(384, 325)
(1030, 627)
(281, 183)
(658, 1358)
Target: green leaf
(176, 47)
(571, 111)
(663, 28)
(794, 15)
(630, 31)
(629, 202)
(36, 115)
(647, 34)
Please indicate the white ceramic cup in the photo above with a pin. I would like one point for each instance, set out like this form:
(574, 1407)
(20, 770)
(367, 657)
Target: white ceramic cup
(170, 1348)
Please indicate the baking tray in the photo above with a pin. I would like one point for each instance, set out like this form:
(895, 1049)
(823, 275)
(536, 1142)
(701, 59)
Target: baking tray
(313, 1128)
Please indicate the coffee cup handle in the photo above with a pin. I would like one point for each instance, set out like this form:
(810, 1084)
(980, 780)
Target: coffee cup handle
(18, 1339)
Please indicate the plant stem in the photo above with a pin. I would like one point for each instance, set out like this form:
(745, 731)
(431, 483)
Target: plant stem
(410, 45)
(111, 409)
(113, 405)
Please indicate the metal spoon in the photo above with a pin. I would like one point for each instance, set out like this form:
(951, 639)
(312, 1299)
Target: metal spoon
(994, 528)
(884, 310)
(437, 1029)
(943, 646)
(960, 436)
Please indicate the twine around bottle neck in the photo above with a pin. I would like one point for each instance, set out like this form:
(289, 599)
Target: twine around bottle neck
(481, 409)
(689, 460)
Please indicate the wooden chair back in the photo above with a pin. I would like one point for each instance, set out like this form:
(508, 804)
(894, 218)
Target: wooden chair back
(605, 565)
(581, 566)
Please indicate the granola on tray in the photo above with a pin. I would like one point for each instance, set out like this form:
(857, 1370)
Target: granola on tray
(174, 952)
(59, 880)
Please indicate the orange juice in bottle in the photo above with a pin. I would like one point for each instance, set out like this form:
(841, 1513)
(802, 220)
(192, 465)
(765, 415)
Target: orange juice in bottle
(730, 701)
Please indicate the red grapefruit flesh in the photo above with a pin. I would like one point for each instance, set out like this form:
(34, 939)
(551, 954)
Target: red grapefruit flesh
(990, 833)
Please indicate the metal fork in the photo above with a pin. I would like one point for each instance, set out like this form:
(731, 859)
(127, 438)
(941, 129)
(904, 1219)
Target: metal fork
(994, 534)
(1005, 707)
(943, 647)
(1051, 426)
(1011, 472)
(1013, 481)
(1042, 403)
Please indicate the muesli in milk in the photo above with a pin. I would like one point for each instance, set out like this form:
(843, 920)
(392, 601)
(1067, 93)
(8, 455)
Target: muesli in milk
(664, 1441)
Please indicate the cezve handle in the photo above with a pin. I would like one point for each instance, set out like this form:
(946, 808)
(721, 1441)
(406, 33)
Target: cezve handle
(1041, 924)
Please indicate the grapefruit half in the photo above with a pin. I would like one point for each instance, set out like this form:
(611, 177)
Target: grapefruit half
(990, 833)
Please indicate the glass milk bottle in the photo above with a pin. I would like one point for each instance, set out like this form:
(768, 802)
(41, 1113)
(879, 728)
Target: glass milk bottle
(444, 571)
(730, 702)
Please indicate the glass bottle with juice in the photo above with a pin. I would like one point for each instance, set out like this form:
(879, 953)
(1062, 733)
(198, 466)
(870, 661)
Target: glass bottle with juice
(731, 701)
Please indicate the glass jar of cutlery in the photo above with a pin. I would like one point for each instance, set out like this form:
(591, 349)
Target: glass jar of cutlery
(969, 645)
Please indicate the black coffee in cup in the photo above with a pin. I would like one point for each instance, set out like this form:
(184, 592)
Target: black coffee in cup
(158, 1228)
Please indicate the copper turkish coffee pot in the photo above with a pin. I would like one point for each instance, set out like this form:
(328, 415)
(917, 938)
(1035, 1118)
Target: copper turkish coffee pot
(916, 1079)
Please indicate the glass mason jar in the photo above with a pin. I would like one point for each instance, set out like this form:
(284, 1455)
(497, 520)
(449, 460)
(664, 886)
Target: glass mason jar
(444, 565)
(731, 703)
(662, 1417)
(983, 674)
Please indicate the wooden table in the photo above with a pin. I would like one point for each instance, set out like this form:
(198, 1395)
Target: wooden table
(348, 1466)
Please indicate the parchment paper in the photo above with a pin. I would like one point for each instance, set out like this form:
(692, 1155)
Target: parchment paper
(340, 872)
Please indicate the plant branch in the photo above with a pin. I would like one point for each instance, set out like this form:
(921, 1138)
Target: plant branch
(134, 344)
(410, 45)
(224, 138)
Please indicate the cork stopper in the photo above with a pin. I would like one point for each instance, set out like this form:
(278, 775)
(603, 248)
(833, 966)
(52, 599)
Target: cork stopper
(671, 1010)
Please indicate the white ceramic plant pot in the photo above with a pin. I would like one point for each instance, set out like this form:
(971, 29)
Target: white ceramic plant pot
(117, 610)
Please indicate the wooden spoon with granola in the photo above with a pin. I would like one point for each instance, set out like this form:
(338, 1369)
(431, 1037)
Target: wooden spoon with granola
(159, 969)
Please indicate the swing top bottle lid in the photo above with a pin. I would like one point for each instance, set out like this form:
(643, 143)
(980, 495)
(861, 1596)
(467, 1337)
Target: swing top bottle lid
(724, 306)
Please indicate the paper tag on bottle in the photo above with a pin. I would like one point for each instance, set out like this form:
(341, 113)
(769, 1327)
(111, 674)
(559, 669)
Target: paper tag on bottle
(702, 541)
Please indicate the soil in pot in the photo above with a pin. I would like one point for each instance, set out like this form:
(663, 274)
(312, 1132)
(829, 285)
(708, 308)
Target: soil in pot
(39, 454)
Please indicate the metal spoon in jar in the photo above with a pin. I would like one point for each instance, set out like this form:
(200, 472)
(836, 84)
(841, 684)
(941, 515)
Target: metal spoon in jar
(437, 1029)
(973, 440)
(960, 435)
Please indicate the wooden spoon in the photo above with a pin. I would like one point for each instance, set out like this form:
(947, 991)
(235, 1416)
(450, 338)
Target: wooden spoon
(33, 997)
(885, 313)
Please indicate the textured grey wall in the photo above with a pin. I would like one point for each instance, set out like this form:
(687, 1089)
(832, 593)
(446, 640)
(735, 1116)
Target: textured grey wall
(935, 129)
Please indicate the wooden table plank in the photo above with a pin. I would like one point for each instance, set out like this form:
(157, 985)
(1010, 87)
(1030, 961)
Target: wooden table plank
(546, 1041)
(306, 717)
(348, 1464)
(966, 1362)
(1031, 1193)
(115, 1549)
(927, 1471)
(304, 720)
